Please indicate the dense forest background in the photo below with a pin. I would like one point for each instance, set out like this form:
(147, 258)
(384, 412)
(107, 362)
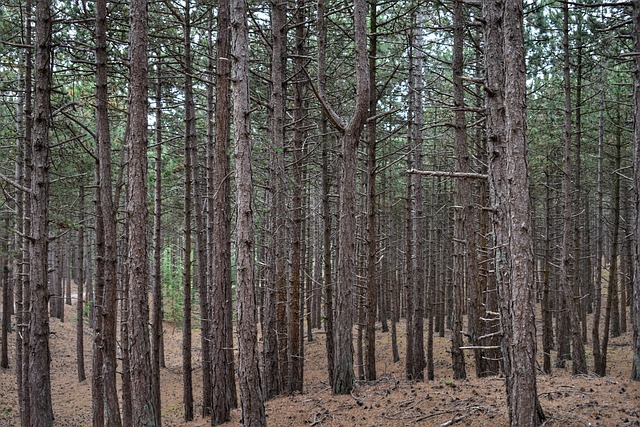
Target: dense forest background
(259, 174)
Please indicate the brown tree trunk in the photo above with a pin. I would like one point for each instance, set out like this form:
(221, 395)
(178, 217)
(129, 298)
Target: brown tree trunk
(372, 284)
(4, 281)
(156, 311)
(464, 235)
(81, 281)
(508, 180)
(297, 239)
(251, 393)
(343, 376)
(103, 143)
(189, 143)
(567, 266)
(40, 405)
(635, 370)
(220, 217)
(144, 409)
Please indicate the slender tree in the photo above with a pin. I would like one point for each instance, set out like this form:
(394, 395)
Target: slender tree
(635, 372)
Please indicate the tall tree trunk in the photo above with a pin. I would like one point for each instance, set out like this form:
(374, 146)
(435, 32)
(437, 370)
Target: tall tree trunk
(597, 296)
(4, 280)
(464, 234)
(509, 185)
(343, 376)
(251, 393)
(189, 143)
(144, 409)
(81, 281)
(372, 225)
(279, 368)
(24, 161)
(635, 313)
(297, 241)
(568, 268)
(103, 143)
(156, 311)
(40, 407)
(221, 237)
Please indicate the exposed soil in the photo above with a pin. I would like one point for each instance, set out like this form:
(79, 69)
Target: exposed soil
(391, 401)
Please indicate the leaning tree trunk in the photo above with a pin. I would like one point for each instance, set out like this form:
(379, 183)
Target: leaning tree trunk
(509, 186)
(251, 395)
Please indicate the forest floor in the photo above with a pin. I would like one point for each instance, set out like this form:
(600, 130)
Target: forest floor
(567, 400)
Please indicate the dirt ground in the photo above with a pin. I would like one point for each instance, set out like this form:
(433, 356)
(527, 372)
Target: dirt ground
(391, 401)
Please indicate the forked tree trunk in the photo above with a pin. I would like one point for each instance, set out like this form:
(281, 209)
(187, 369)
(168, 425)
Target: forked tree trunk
(343, 376)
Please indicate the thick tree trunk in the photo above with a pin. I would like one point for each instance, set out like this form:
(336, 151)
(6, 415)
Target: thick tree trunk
(40, 405)
(220, 216)
(107, 344)
(144, 409)
(509, 185)
(465, 265)
(251, 393)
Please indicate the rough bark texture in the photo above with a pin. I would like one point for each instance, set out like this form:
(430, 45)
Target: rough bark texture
(156, 311)
(635, 372)
(103, 143)
(144, 409)
(509, 186)
(81, 281)
(221, 237)
(251, 394)
(189, 142)
(463, 233)
(372, 225)
(40, 407)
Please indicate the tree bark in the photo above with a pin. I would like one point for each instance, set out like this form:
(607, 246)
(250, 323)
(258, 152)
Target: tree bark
(635, 370)
(81, 281)
(509, 186)
(251, 393)
(144, 409)
(156, 313)
(40, 405)
(220, 216)
(189, 143)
